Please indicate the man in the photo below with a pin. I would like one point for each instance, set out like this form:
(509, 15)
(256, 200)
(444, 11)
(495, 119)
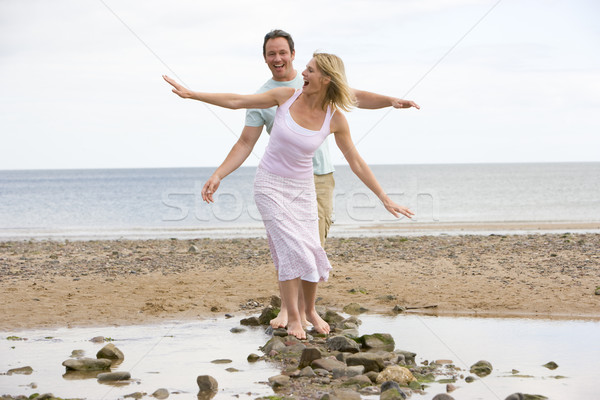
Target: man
(279, 54)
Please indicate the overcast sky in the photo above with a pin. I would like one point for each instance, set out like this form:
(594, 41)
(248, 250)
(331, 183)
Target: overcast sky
(498, 81)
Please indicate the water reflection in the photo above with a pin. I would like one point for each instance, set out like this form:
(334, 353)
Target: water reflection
(173, 355)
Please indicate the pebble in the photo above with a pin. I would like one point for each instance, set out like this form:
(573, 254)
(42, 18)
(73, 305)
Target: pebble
(87, 364)
(113, 376)
(111, 352)
(481, 368)
(20, 371)
(161, 393)
(207, 383)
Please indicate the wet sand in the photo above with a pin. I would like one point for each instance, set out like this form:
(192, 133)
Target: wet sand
(97, 283)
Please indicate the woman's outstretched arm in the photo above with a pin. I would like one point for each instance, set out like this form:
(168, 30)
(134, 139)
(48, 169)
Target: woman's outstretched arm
(339, 125)
(273, 97)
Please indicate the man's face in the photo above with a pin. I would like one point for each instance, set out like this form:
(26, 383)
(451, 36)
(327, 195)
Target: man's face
(279, 59)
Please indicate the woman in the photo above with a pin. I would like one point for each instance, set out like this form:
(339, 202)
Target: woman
(284, 187)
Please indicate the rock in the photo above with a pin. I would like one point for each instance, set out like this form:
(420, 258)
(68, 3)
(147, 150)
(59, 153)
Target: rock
(389, 385)
(278, 381)
(597, 292)
(45, 396)
(442, 362)
(207, 385)
(111, 352)
(409, 356)
(253, 357)
(97, 339)
(342, 343)
(450, 388)
(481, 368)
(341, 394)
(515, 396)
(87, 364)
(354, 309)
(372, 375)
(309, 355)
(396, 373)
(113, 376)
(135, 395)
(161, 393)
(77, 353)
(275, 343)
(392, 393)
(332, 317)
(551, 365)
(371, 361)
(383, 341)
(237, 329)
(470, 379)
(193, 249)
(348, 372)
(251, 321)
(534, 397)
(360, 380)
(327, 363)
(20, 371)
(307, 372)
(398, 309)
(268, 313)
(351, 333)
(221, 361)
(442, 396)
(281, 332)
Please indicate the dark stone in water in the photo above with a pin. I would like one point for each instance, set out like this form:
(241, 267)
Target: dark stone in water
(342, 343)
(551, 365)
(111, 352)
(383, 341)
(161, 394)
(268, 313)
(481, 368)
(252, 321)
(208, 386)
(87, 364)
(20, 371)
(113, 376)
(442, 396)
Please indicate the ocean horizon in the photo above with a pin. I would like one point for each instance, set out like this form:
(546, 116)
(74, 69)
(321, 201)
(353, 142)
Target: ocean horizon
(154, 203)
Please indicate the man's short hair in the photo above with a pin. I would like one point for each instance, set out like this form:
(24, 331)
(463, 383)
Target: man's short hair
(275, 33)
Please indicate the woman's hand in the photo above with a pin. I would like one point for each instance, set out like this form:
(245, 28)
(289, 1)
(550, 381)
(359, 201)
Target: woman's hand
(178, 89)
(210, 187)
(395, 209)
(399, 103)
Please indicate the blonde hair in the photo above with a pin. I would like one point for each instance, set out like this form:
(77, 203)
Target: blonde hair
(338, 93)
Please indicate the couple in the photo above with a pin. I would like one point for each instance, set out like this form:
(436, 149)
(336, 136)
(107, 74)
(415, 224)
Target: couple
(284, 185)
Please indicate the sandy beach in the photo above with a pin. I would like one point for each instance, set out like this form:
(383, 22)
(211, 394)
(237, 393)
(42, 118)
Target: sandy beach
(95, 283)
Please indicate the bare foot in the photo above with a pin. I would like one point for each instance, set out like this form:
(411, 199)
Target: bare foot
(319, 324)
(295, 329)
(280, 321)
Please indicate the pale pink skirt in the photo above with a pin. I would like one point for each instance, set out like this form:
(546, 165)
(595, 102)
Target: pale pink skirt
(289, 211)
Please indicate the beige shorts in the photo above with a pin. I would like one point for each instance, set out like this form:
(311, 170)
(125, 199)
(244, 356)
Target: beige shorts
(324, 185)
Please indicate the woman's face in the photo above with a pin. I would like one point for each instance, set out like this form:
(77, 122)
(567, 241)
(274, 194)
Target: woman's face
(314, 80)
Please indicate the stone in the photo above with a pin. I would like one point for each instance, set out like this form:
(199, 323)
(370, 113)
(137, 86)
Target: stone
(372, 375)
(251, 321)
(387, 385)
(87, 364)
(237, 329)
(341, 394)
(278, 381)
(221, 361)
(193, 249)
(45, 396)
(597, 292)
(393, 394)
(253, 357)
(354, 309)
(470, 379)
(275, 301)
(442, 396)
(332, 317)
(161, 393)
(383, 341)
(371, 361)
(296, 348)
(135, 395)
(396, 373)
(275, 343)
(309, 355)
(113, 376)
(207, 385)
(97, 339)
(360, 380)
(481, 368)
(342, 343)
(551, 365)
(350, 333)
(515, 396)
(20, 371)
(409, 356)
(307, 372)
(77, 353)
(450, 388)
(268, 313)
(327, 364)
(398, 309)
(111, 352)
(348, 371)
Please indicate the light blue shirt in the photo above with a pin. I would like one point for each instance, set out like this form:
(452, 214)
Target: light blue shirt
(258, 117)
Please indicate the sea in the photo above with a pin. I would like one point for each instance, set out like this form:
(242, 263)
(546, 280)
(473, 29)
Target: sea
(166, 203)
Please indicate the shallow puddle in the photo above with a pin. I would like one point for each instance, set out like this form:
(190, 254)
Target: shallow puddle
(172, 355)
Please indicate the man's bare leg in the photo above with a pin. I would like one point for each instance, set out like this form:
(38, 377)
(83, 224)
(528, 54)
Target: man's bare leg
(310, 295)
(289, 290)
